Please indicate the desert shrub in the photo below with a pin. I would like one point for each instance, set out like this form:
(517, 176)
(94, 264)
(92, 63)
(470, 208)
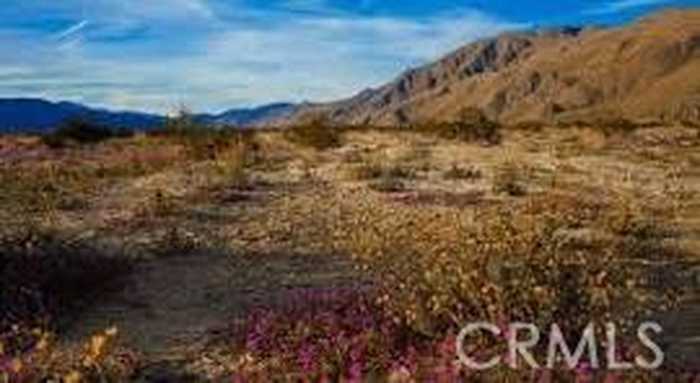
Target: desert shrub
(456, 172)
(315, 132)
(79, 131)
(471, 125)
(511, 179)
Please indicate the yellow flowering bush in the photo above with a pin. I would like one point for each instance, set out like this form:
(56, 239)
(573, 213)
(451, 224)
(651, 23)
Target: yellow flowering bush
(439, 271)
(99, 359)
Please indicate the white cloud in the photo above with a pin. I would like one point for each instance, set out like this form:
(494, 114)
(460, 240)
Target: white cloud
(623, 5)
(194, 55)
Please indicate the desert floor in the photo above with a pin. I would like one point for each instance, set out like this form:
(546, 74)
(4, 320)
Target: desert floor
(211, 240)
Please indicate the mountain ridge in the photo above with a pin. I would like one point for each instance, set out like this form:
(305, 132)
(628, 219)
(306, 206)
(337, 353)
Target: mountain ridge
(647, 69)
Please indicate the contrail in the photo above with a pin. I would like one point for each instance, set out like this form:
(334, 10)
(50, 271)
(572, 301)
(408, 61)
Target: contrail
(73, 29)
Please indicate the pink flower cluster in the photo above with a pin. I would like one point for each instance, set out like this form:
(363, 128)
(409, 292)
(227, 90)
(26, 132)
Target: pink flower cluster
(331, 335)
(339, 334)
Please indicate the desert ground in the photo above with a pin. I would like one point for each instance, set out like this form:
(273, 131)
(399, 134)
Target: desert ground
(188, 238)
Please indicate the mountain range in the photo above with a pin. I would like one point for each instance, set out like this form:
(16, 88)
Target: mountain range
(646, 70)
(38, 115)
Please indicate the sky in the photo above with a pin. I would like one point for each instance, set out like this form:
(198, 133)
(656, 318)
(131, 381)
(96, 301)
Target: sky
(212, 55)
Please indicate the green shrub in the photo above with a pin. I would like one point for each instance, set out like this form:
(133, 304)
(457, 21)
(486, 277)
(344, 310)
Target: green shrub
(78, 131)
(471, 125)
(459, 173)
(315, 132)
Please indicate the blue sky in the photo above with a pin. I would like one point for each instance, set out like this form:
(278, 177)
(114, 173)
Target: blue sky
(211, 55)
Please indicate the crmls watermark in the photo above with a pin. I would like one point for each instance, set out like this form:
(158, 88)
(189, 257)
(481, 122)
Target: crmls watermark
(523, 338)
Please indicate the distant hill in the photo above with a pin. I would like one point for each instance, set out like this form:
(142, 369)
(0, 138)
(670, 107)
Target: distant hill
(38, 116)
(650, 69)
(257, 116)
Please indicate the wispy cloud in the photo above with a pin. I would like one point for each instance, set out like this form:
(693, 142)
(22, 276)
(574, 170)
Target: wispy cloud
(623, 5)
(154, 54)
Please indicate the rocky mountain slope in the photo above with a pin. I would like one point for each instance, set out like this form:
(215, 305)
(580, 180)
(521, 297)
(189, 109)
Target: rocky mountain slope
(647, 70)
